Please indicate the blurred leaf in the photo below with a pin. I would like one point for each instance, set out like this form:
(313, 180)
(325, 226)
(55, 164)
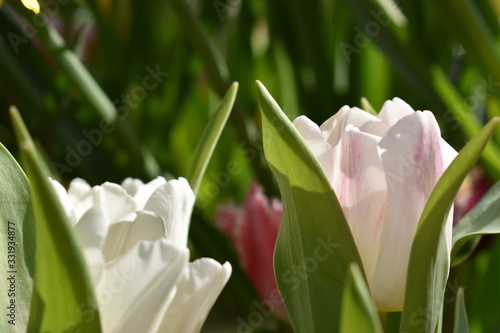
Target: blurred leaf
(365, 105)
(63, 296)
(209, 138)
(429, 262)
(358, 310)
(483, 219)
(463, 116)
(464, 20)
(461, 324)
(314, 247)
(17, 242)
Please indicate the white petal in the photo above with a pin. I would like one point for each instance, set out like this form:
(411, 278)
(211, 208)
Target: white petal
(316, 143)
(122, 236)
(111, 197)
(144, 192)
(137, 288)
(413, 161)
(77, 189)
(92, 228)
(335, 126)
(359, 184)
(131, 185)
(64, 200)
(198, 290)
(95, 264)
(393, 111)
(173, 202)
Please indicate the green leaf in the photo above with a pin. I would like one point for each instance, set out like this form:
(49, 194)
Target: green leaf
(314, 247)
(365, 105)
(209, 138)
(461, 322)
(429, 261)
(483, 219)
(358, 310)
(17, 241)
(63, 297)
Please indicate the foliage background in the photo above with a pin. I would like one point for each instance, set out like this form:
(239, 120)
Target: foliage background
(313, 56)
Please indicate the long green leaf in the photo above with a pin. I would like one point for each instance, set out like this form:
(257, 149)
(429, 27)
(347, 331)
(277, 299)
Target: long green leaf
(483, 219)
(314, 247)
(17, 242)
(358, 310)
(461, 322)
(63, 297)
(209, 138)
(429, 260)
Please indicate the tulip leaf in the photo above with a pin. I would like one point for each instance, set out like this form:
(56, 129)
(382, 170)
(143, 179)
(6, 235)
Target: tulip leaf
(17, 243)
(483, 219)
(315, 246)
(63, 298)
(358, 310)
(429, 260)
(461, 322)
(209, 138)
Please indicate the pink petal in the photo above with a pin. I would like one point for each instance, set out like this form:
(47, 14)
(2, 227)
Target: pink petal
(393, 111)
(316, 143)
(359, 184)
(413, 160)
(335, 126)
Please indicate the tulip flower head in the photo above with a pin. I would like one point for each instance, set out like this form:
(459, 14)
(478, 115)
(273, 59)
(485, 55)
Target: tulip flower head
(134, 238)
(383, 169)
(253, 229)
(472, 190)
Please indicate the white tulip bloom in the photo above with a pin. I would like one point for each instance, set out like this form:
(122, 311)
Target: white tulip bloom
(134, 238)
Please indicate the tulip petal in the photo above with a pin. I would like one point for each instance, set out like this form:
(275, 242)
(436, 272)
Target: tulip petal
(137, 288)
(316, 143)
(77, 189)
(92, 228)
(131, 185)
(359, 184)
(412, 157)
(144, 192)
(393, 111)
(95, 264)
(334, 127)
(197, 291)
(64, 200)
(173, 202)
(122, 236)
(111, 197)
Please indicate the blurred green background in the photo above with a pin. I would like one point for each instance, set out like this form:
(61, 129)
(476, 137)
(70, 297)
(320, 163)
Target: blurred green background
(123, 88)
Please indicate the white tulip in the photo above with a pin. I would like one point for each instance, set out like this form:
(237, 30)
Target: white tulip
(134, 239)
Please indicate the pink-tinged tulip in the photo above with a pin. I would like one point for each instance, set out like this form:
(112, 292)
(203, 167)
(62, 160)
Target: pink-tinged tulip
(472, 190)
(253, 229)
(383, 169)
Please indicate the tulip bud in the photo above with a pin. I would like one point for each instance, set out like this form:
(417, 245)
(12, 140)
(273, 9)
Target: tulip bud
(253, 229)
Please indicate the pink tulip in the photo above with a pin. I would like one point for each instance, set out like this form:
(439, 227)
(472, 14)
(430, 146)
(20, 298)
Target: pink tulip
(253, 229)
(472, 190)
(382, 169)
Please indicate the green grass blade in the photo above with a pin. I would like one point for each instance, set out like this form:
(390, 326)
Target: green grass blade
(63, 297)
(429, 262)
(358, 310)
(461, 323)
(314, 247)
(17, 240)
(483, 219)
(209, 138)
